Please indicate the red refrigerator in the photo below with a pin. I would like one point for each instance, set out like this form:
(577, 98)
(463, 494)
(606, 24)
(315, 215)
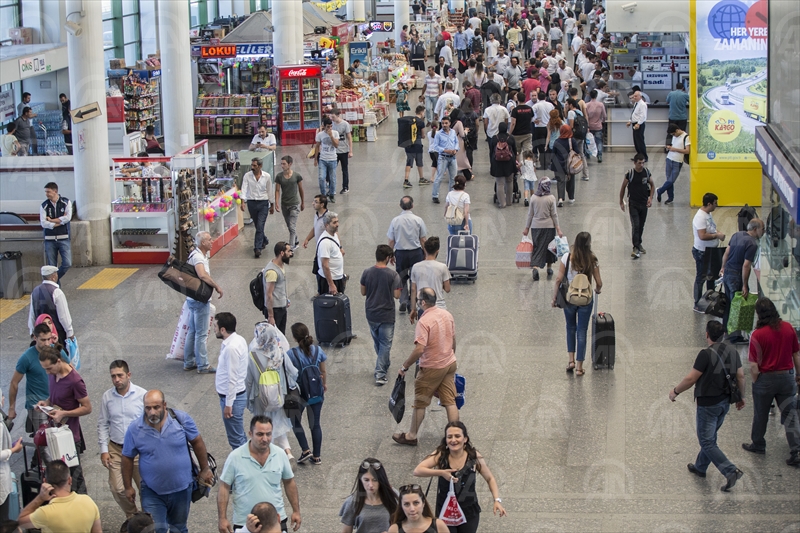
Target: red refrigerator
(299, 102)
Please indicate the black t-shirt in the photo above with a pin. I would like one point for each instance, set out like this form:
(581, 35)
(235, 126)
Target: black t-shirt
(742, 246)
(381, 284)
(638, 187)
(524, 116)
(711, 388)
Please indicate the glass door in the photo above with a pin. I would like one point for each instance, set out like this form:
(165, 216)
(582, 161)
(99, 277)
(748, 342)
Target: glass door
(290, 104)
(311, 104)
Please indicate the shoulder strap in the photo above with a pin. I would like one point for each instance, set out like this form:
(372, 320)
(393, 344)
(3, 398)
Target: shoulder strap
(722, 362)
(253, 357)
(328, 238)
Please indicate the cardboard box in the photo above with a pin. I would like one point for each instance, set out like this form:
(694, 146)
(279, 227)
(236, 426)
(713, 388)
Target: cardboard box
(116, 63)
(220, 33)
(21, 35)
(141, 65)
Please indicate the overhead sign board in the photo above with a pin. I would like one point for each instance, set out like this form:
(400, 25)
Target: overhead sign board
(33, 66)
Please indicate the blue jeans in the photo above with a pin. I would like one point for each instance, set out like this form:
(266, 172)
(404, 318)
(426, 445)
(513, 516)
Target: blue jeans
(234, 426)
(327, 177)
(598, 140)
(430, 105)
(445, 164)
(699, 275)
(314, 412)
(782, 388)
(196, 352)
(453, 230)
(52, 249)
(259, 210)
(382, 336)
(462, 54)
(673, 169)
(577, 325)
(709, 420)
(169, 511)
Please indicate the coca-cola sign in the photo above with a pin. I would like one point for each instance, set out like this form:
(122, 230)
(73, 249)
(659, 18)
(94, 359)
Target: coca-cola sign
(301, 72)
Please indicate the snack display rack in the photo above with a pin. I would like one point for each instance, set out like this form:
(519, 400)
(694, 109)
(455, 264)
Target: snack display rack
(142, 90)
(229, 115)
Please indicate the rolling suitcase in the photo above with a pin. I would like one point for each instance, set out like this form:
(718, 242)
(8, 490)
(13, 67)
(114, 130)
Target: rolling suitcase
(603, 338)
(462, 257)
(31, 480)
(13, 498)
(332, 319)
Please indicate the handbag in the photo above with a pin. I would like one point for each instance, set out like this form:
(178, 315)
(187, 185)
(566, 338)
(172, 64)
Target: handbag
(397, 400)
(734, 394)
(182, 277)
(574, 161)
(199, 490)
(714, 302)
(452, 515)
(524, 251)
(561, 293)
(292, 401)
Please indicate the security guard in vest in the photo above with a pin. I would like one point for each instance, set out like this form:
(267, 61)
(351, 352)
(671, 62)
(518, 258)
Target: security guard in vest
(54, 215)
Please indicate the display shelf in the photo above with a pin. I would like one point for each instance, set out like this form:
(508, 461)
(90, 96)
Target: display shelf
(142, 102)
(141, 238)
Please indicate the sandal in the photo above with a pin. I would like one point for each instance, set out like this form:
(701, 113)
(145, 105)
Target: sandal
(401, 439)
(571, 366)
(579, 371)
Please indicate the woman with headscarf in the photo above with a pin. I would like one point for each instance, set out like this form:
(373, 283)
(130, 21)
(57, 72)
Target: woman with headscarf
(268, 348)
(542, 222)
(503, 170)
(559, 164)
(463, 163)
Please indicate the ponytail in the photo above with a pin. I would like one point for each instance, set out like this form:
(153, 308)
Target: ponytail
(303, 337)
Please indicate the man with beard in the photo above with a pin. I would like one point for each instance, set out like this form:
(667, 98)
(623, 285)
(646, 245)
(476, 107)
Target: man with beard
(231, 373)
(275, 292)
(159, 439)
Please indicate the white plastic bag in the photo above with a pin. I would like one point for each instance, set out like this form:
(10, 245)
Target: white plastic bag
(451, 513)
(179, 338)
(61, 445)
(591, 145)
(558, 246)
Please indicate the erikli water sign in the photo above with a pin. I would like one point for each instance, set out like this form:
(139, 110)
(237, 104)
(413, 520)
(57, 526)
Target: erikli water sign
(731, 78)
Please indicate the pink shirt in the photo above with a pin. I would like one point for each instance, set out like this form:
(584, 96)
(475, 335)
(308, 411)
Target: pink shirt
(435, 331)
(596, 115)
(544, 82)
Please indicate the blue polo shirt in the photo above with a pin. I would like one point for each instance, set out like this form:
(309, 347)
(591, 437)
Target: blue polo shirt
(164, 462)
(36, 387)
(252, 483)
(678, 102)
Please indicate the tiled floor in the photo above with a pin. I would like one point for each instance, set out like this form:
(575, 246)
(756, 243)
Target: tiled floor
(605, 452)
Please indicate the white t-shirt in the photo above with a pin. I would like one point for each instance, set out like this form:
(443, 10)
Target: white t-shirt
(703, 220)
(198, 258)
(576, 43)
(269, 140)
(431, 275)
(569, 25)
(556, 34)
(327, 151)
(459, 199)
(491, 48)
(678, 142)
(328, 248)
(571, 273)
(431, 149)
(495, 114)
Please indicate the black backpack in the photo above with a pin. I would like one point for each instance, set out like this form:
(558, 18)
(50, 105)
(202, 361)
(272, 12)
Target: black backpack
(309, 378)
(744, 216)
(477, 45)
(580, 126)
(257, 291)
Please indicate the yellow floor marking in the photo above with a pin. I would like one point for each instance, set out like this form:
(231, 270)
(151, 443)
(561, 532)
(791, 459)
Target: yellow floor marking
(9, 307)
(108, 278)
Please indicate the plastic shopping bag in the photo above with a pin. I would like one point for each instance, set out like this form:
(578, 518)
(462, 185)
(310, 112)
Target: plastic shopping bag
(74, 353)
(397, 400)
(461, 390)
(61, 445)
(558, 246)
(179, 338)
(451, 514)
(591, 145)
(524, 251)
(742, 313)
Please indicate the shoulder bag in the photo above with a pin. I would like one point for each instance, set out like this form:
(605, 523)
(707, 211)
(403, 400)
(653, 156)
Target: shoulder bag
(574, 161)
(199, 490)
(561, 294)
(732, 388)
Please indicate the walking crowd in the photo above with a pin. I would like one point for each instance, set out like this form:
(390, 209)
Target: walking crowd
(543, 121)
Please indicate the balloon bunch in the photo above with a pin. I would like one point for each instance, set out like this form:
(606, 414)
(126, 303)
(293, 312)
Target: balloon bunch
(236, 198)
(225, 203)
(209, 214)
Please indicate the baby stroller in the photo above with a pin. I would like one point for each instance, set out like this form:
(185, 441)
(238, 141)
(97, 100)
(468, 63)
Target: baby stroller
(517, 195)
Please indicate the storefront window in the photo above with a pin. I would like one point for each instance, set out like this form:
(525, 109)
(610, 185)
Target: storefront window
(9, 16)
(780, 257)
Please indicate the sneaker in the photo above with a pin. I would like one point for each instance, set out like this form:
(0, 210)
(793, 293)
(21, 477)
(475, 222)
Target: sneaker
(658, 197)
(732, 478)
(304, 457)
(560, 203)
(526, 202)
(407, 184)
(572, 200)
(698, 310)
(794, 460)
(549, 272)
(208, 370)
(668, 202)
(584, 178)
(188, 368)
(380, 382)
(402, 307)
(435, 200)
(345, 190)
(257, 253)
(642, 249)
(424, 181)
(316, 461)
(331, 199)
(599, 158)
(635, 253)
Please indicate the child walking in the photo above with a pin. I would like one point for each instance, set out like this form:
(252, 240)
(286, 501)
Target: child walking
(528, 174)
(402, 99)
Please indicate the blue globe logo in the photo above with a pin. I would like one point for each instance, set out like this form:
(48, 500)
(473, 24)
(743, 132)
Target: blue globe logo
(726, 15)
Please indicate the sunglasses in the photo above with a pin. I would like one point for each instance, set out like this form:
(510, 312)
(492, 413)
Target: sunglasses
(376, 465)
(410, 488)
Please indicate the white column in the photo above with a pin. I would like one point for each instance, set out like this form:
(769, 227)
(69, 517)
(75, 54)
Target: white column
(90, 138)
(287, 37)
(401, 16)
(356, 10)
(176, 76)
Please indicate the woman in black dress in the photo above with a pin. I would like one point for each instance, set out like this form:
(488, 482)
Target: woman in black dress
(456, 460)
(503, 169)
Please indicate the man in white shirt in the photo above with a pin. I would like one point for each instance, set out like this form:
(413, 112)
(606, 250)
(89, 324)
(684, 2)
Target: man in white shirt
(679, 146)
(705, 236)
(433, 88)
(638, 119)
(231, 373)
(576, 43)
(539, 32)
(330, 260)
(475, 22)
(263, 141)
(555, 36)
(636, 76)
(449, 97)
(470, 33)
(256, 191)
(121, 405)
(501, 61)
(566, 73)
(587, 68)
(492, 46)
(447, 53)
(541, 118)
(494, 115)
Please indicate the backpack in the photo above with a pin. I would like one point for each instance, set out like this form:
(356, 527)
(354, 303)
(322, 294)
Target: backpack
(502, 151)
(580, 127)
(744, 216)
(454, 215)
(579, 291)
(629, 176)
(269, 388)
(309, 378)
(257, 291)
(477, 45)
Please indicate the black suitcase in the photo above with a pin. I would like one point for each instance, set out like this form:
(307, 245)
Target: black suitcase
(462, 257)
(603, 338)
(31, 480)
(332, 321)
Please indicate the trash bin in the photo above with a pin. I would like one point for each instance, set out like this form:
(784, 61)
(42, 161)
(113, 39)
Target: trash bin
(11, 275)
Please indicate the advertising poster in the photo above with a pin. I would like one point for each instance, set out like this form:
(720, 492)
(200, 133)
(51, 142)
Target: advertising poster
(731, 78)
(359, 51)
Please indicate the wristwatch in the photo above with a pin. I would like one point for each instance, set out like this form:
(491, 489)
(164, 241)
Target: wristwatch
(498, 500)
(404, 369)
